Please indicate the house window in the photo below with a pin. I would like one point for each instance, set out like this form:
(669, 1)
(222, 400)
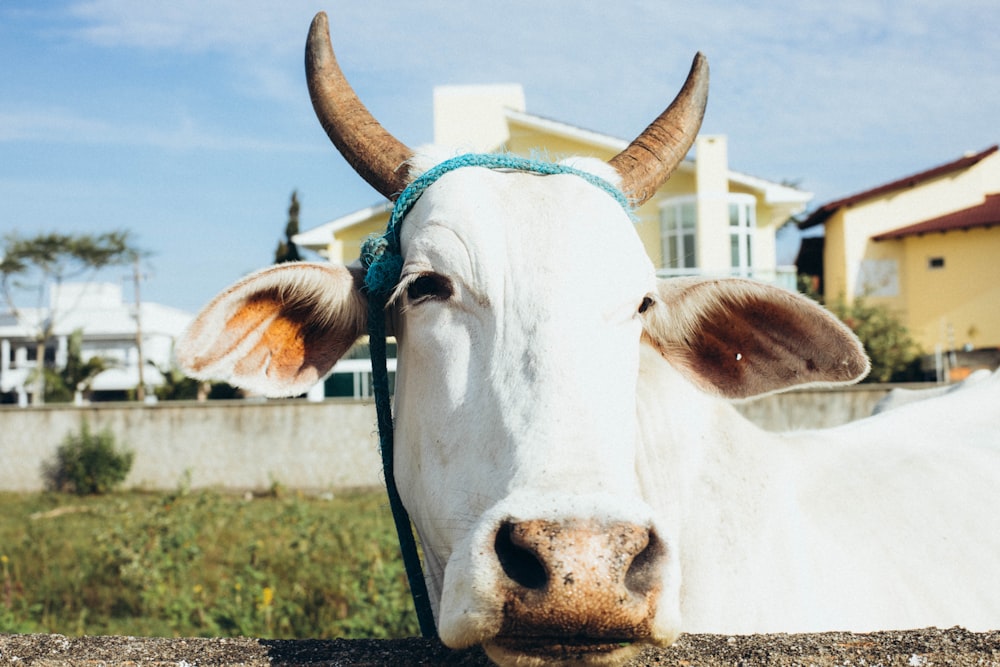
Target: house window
(935, 263)
(742, 223)
(678, 222)
(679, 235)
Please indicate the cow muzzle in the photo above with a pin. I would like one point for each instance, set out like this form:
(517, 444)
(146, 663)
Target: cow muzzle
(575, 592)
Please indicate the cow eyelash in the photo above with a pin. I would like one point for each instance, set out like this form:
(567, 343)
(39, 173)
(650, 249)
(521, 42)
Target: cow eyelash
(429, 287)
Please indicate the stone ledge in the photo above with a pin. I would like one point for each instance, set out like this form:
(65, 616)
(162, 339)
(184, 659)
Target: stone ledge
(918, 648)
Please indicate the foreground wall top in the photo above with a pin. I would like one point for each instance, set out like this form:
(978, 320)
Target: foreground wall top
(920, 648)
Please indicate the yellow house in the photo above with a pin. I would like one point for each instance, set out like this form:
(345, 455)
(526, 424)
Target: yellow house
(926, 246)
(706, 220)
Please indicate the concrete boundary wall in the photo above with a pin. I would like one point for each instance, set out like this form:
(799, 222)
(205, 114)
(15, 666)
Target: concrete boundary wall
(241, 445)
(233, 445)
(921, 648)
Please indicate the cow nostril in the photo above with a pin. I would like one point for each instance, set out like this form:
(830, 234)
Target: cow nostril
(643, 573)
(518, 562)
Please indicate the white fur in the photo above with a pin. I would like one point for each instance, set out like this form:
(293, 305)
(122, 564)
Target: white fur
(886, 523)
(900, 396)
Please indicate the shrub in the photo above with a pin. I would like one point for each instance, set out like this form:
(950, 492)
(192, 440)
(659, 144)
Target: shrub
(894, 353)
(89, 463)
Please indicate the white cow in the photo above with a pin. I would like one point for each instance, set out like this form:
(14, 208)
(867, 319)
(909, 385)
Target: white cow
(579, 482)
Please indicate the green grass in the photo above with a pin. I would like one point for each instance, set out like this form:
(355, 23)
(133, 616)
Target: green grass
(202, 564)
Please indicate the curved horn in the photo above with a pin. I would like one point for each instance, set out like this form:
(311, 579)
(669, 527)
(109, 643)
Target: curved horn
(649, 160)
(369, 148)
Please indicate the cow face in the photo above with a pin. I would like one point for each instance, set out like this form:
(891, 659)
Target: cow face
(518, 362)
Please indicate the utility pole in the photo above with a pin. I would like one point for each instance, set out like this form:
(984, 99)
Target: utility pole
(140, 391)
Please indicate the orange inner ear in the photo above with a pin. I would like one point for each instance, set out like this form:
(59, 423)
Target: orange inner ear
(247, 318)
(285, 339)
(282, 345)
(290, 346)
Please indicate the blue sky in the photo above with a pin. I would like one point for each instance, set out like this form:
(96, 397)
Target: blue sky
(188, 121)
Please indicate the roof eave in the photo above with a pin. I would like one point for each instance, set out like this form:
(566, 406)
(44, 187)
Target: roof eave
(824, 212)
(322, 235)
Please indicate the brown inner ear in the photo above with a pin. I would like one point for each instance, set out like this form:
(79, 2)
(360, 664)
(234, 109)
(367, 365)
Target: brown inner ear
(747, 345)
(760, 346)
(739, 339)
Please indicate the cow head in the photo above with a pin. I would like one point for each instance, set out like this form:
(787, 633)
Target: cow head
(523, 306)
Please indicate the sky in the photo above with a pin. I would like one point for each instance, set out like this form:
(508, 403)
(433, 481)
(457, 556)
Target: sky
(188, 122)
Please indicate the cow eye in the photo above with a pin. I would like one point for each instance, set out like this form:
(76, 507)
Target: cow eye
(429, 286)
(646, 304)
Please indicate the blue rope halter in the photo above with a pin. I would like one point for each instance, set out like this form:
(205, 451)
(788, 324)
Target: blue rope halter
(383, 262)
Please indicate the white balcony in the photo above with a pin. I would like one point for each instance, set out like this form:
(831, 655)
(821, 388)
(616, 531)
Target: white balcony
(781, 276)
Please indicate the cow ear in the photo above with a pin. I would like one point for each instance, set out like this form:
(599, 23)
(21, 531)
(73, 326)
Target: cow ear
(279, 331)
(739, 338)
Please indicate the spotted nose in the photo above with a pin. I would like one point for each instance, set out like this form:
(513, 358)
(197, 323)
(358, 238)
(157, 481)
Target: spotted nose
(578, 581)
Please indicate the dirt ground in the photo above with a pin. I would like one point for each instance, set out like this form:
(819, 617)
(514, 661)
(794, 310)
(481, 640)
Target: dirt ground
(922, 648)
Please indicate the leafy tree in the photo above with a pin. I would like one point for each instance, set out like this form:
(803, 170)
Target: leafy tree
(287, 251)
(32, 265)
(176, 386)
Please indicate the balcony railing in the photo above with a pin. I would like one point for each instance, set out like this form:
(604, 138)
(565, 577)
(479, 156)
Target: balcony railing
(781, 276)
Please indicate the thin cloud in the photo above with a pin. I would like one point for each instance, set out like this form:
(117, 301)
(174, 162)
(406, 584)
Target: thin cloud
(59, 126)
(184, 25)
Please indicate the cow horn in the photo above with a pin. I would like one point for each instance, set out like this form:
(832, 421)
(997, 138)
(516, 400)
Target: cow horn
(648, 161)
(375, 154)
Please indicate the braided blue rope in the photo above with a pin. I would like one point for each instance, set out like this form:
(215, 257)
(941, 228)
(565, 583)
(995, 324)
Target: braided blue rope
(382, 259)
(381, 254)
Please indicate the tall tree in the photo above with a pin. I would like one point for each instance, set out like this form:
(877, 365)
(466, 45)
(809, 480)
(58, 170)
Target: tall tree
(287, 250)
(31, 266)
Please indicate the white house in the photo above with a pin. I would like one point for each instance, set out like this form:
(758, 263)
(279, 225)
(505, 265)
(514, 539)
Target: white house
(110, 329)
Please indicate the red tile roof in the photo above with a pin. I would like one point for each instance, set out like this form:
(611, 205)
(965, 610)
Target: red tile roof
(823, 213)
(986, 214)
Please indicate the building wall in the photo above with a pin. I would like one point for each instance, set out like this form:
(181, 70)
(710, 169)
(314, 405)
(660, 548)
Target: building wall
(849, 230)
(712, 190)
(466, 117)
(770, 218)
(709, 180)
(347, 243)
(948, 307)
(835, 257)
(959, 303)
(526, 140)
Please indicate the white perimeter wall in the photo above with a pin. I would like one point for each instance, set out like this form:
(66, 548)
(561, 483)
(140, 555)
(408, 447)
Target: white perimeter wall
(314, 447)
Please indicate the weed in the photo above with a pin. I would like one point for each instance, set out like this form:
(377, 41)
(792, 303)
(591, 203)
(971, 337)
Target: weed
(196, 563)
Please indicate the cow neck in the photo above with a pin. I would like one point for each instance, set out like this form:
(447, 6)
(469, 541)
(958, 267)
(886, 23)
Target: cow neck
(382, 260)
